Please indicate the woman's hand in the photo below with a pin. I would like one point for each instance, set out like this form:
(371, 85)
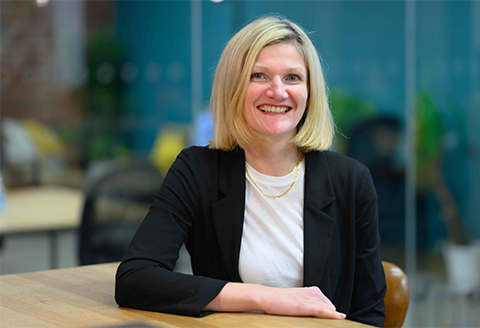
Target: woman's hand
(308, 301)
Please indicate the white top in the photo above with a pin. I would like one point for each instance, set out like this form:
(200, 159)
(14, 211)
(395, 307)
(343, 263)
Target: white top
(271, 252)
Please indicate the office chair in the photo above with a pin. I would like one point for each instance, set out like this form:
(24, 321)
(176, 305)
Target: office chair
(397, 297)
(118, 195)
(375, 143)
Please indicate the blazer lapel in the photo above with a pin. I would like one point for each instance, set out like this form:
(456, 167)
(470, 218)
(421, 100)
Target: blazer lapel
(228, 212)
(318, 226)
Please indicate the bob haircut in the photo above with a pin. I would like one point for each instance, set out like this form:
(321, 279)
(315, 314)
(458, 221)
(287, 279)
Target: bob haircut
(315, 130)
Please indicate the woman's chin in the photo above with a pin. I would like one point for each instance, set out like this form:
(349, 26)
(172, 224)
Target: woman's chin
(278, 133)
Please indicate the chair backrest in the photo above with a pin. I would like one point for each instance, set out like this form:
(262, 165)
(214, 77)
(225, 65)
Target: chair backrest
(397, 297)
(118, 195)
(374, 142)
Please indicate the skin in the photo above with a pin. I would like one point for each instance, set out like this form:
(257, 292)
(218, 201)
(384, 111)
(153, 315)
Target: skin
(279, 79)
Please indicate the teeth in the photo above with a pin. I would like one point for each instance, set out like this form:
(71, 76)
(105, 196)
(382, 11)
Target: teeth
(274, 109)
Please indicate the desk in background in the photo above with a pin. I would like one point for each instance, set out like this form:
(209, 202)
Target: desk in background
(42, 209)
(83, 297)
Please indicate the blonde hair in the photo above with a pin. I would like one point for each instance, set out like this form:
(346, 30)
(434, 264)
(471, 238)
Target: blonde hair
(315, 130)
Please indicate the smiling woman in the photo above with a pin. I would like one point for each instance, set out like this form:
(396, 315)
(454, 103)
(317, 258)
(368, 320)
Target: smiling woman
(272, 219)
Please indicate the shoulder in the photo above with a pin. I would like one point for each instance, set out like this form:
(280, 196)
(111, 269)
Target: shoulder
(194, 169)
(212, 168)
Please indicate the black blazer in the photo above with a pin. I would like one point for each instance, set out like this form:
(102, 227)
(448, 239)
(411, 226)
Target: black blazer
(202, 202)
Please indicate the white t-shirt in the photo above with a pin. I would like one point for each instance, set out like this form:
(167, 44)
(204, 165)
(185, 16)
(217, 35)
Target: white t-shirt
(271, 252)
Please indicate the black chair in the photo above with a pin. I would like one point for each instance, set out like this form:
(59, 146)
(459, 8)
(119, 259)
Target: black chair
(375, 143)
(118, 195)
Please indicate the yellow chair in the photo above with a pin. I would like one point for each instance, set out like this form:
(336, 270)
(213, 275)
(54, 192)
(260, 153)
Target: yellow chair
(397, 297)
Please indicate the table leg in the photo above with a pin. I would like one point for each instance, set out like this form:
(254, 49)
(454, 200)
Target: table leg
(53, 241)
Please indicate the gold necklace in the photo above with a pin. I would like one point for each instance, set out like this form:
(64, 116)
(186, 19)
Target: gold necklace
(297, 167)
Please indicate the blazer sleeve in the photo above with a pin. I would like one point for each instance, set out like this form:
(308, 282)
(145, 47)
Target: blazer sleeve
(145, 279)
(369, 286)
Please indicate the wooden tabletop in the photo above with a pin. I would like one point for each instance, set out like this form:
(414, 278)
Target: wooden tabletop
(41, 208)
(83, 297)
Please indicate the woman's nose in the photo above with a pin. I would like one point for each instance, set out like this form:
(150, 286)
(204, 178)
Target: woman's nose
(277, 90)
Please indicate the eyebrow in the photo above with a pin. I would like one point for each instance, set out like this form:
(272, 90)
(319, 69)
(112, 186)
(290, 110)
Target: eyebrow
(294, 68)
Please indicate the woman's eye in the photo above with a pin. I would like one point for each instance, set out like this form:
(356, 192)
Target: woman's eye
(257, 76)
(293, 78)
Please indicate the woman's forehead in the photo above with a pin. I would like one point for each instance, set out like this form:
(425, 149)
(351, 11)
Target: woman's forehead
(281, 53)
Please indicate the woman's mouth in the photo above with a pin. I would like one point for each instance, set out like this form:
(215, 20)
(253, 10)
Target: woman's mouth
(274, 109)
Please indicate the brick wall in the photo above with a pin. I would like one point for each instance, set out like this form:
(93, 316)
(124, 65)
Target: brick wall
(30, 86)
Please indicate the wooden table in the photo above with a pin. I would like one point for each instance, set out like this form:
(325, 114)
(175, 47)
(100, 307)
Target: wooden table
(45, 209)
(83, 297)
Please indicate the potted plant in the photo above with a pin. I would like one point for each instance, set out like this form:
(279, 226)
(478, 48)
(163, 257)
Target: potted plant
(462, 256)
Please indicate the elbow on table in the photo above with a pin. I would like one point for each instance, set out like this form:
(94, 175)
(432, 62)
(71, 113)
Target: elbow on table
(124, 284)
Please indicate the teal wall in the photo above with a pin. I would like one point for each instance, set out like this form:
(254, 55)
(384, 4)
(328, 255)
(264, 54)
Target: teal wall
(156, 32)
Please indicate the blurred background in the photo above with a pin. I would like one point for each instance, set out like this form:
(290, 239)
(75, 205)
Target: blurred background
(99, 97)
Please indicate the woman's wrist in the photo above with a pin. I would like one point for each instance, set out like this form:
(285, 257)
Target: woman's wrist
(238, 297)
(260, 297)
(263, 297)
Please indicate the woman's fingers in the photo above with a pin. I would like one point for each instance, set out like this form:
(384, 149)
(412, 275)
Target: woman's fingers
(330, 314)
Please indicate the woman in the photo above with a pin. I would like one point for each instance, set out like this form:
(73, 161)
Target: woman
(272, 220)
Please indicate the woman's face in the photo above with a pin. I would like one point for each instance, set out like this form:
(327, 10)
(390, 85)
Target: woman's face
(277, 94)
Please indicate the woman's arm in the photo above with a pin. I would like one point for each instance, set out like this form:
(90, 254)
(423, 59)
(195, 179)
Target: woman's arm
(309, 301)
(145, 278)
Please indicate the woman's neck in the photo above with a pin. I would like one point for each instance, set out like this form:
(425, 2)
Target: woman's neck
(272, 159)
